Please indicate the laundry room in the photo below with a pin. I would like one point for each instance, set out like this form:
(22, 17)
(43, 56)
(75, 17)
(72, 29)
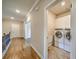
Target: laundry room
(59, 29)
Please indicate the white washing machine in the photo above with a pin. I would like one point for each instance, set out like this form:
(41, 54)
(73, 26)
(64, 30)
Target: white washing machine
(59, 38)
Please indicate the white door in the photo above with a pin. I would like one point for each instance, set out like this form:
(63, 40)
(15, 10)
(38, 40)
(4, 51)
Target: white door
(15, 30)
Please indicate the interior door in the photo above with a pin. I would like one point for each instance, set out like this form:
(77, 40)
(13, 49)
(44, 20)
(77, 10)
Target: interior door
(15, 30)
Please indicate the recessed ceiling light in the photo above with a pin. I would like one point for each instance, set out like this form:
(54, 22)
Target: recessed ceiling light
(17, 11)
(63, 3)
(11, 17)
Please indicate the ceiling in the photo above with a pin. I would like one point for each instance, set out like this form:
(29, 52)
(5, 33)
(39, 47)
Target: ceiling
(9, 8)
(59, 8)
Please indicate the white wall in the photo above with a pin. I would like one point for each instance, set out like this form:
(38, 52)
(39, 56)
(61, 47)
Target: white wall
(73, 26)
(51, 23)
(6, 26)
(15, 27)
(63, 22)
(37, 19)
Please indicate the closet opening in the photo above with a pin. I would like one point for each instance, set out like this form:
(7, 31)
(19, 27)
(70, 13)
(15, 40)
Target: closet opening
(59, 30)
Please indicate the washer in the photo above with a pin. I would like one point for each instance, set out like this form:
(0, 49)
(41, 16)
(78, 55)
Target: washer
(59, 36)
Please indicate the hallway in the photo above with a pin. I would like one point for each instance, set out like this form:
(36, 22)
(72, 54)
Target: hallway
(18, 50)
(32, 26)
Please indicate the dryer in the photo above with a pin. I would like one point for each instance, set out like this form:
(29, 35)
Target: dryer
(67, 40)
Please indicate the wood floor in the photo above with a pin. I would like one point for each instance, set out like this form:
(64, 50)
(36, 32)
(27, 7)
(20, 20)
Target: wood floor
(18, 50)
(57, 53)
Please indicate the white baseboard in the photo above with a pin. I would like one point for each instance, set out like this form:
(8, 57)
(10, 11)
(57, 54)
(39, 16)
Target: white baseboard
(37, 51)
(6, 49)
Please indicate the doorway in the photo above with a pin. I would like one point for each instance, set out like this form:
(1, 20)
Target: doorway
(59, 29)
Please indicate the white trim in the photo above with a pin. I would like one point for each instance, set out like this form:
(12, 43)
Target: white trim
(34, 5)
(45, 35)
(31, 9)
(3, 54)
(49, 4)
(37, 51)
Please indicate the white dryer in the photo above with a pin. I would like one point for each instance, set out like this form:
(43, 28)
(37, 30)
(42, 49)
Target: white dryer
(67, 40)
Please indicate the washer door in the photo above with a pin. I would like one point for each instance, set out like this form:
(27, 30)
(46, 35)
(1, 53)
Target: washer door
(58, 34)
